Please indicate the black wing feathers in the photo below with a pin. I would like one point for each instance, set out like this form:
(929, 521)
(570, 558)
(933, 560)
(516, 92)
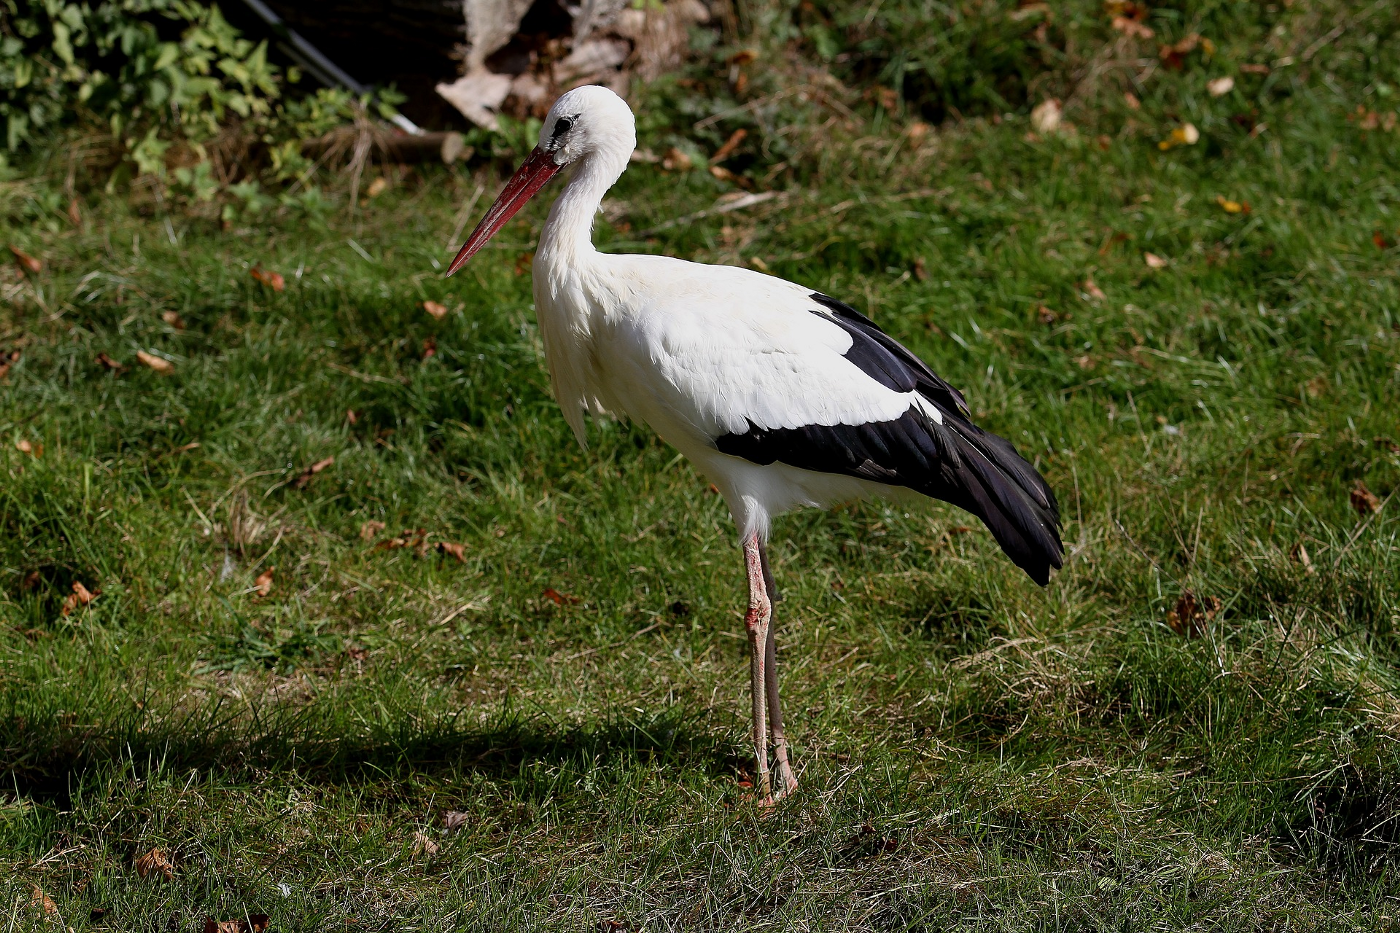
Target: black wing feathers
(955, 461)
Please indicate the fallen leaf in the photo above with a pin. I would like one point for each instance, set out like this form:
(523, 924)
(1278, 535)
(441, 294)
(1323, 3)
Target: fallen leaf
(1046, 315)
(1191, 616)
(262, 586)
(455, 819)
(423, 845)
(723, 174)
(675, 160)
(1254, 69)
(436, 309)
(1316, 387)
(1300, 554)
(106, 362)
(1093, 291)
(1132, 27)
(352, 416)
(27, 262)
(42, 901)
(6, 361)
(369, 530)
(458, 551)
(1379, 239)
(1131, 100)
(1219, 87)
(1045, 118)
(920, 270)
(377, 187)
(154, 862)
(743, 57)
(560, 599)
(1364, 500)
(173, 319)
(730, 145)
(1184, 135)
(254, 923)
(24, 446)
(1173, 56)
(159, 364)
(916, 131)
(272, 280)
(1232, 207)
(305, 475)
(1154, 261)
(414, 538)
(429, 348)
(80, 596)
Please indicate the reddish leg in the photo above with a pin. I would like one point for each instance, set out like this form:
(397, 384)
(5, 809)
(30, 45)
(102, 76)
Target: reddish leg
(787, 782)
(756, 621)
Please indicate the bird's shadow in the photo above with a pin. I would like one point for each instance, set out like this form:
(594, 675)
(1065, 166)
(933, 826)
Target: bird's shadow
(48, 763)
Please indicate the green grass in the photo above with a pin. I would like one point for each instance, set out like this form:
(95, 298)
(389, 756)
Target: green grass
(975, 752)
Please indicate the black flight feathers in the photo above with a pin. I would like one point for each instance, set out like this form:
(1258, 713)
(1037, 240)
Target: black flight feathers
(955, 461)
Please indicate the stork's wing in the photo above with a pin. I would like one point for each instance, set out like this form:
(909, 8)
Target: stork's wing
(803, 379)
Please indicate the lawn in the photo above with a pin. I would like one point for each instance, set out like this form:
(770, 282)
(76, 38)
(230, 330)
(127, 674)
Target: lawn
(469, 676)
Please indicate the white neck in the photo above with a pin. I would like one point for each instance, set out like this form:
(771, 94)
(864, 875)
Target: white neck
(567, 238)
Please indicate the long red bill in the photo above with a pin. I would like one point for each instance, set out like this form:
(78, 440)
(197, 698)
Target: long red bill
(537, 169)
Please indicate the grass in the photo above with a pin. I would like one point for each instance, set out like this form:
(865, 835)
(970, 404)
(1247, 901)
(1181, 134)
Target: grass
(976, 753)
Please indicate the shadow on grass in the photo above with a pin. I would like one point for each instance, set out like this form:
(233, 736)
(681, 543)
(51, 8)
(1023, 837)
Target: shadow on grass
(47, 762)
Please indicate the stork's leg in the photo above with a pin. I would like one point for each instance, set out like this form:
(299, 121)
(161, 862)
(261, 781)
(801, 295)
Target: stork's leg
(787, 783)
(756, 621)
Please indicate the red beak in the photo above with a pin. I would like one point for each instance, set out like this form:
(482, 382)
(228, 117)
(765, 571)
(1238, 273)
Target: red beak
(537, 169)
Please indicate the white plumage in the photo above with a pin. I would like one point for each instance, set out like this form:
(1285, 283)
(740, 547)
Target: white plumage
(781, 396)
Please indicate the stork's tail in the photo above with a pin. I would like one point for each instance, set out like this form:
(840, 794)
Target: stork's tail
(995, 483)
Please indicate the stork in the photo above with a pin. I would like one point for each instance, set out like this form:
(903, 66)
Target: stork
(782, 396)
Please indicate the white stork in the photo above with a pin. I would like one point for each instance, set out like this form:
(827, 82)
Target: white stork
(780, 395)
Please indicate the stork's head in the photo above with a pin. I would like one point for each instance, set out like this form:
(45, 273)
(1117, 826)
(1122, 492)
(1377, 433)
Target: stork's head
(587, 124)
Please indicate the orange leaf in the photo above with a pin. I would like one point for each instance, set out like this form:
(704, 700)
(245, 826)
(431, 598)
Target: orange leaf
(24, 446)
(262, 586)
(272, 280)
(1381, 242)
(160, 365)
(27, 262)
(560, 599)
(436, 309)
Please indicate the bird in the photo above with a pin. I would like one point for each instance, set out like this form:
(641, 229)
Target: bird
(782, 396)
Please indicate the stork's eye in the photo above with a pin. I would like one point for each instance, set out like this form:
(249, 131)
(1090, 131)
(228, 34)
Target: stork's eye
(563, 126)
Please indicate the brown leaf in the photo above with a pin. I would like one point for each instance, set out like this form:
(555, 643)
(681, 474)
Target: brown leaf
(24, 446)
(1316, 387)
(1364, 500)
(730, 145)
(429, 348)
(424, 845)
(458, 551)
(305, 475)
(1131, 100)
(416, 538)
(436, 309)
(1173, 56)
(153, 863)
(1254, 69)
(560, 599)
(262, 586)
(1191, 616)
(1093, 291)
(1300, 554)
(1132, 28)
(743, 57)
(724, 174)
(254, 923)
(377, 187)
(1154, 261)
(272, 280)
(159, 364)
(106, 362)
(6, 361)
(42, 901)
(455, 819)
(173, 319)
(1046, 315)
(1219, 87)
(676, 160)
(920, 270)
(352, 416)
(27, 262)
(1379, 239)
(369, 530)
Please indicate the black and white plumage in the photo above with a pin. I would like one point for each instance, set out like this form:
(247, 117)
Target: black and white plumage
(781, 396)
